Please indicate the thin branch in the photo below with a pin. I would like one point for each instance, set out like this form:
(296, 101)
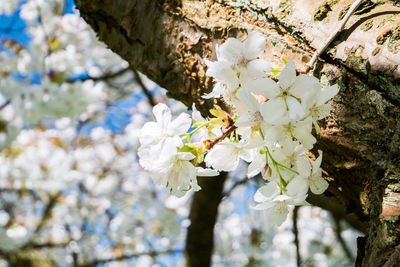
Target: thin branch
(8, 101)
(332, 37)
(75, 259)
(47, 212)
(144, 88)
(340, 239)
(45, 217)
(296, 235)
(211, 143)
(19, 191)
(337, 209)
(129, 256)
(105, 76)
(233, 187)
(46, 245)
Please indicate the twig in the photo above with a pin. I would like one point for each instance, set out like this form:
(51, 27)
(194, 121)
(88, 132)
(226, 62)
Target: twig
(341, 241)
(337, 209)
(211, 143)
(240, 182)
(47, 212)
(8, 101)
(75, 259)
(46, 245)
(105, 76)
(296, 235)
(128, 256)
(317, 53)
(144, 88)
(45, 217)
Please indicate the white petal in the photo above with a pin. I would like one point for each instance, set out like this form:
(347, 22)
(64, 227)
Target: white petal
(318, 185)
(274, 111)
(324, 111)
(230, 51)
(248, 99)
(150, 133)
(162, 114)
(263, 206)
(222, 157)
(244, 121)
(177, 141)
(303, 166)
(157, 157)
(222, 72)
(246, 154)
(304, 85)
(179, 125)
(269, 190)
(296, 111)
(327, 94)
(258, 68)
(256, 166)
(217, 91)
(266, 192)
(297, 189)
(196, 115)
(288, 75)
(254, 45)
(186, 156)
(195, 185)
(316, 126)
(278, 214)
(263, 86)
(318, 161)
(180, 179)
(303, 134)
(206, 172)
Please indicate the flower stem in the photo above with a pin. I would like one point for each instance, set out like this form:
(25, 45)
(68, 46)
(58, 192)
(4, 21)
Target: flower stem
(211, 143)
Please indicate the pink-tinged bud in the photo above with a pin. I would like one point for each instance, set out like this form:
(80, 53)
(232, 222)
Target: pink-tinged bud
(266, 173)
(261, 99)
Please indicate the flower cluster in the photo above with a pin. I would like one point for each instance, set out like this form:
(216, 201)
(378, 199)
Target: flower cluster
(164, 154)
(272, 113)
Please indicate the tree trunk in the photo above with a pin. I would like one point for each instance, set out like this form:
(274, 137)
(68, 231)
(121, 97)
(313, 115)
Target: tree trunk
(169, 39)
(203, 215)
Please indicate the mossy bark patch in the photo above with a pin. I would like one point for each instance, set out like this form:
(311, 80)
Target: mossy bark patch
(324, 9)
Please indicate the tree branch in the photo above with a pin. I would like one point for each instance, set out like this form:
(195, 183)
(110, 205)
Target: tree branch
(103, 77)
(144, 88)
(45, 217)
(296, 235)
(332, 37)
(128, 256)
(203, 215)
(337, 209)
(233, 187)
(340, 239)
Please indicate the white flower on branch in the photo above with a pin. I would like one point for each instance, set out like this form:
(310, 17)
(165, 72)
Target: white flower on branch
(312, 176)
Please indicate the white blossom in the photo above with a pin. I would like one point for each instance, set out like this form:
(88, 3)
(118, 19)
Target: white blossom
(225, 156)
(285, 97)
(312, 176)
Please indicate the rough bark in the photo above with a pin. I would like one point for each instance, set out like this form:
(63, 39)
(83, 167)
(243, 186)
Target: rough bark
(168, 40)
